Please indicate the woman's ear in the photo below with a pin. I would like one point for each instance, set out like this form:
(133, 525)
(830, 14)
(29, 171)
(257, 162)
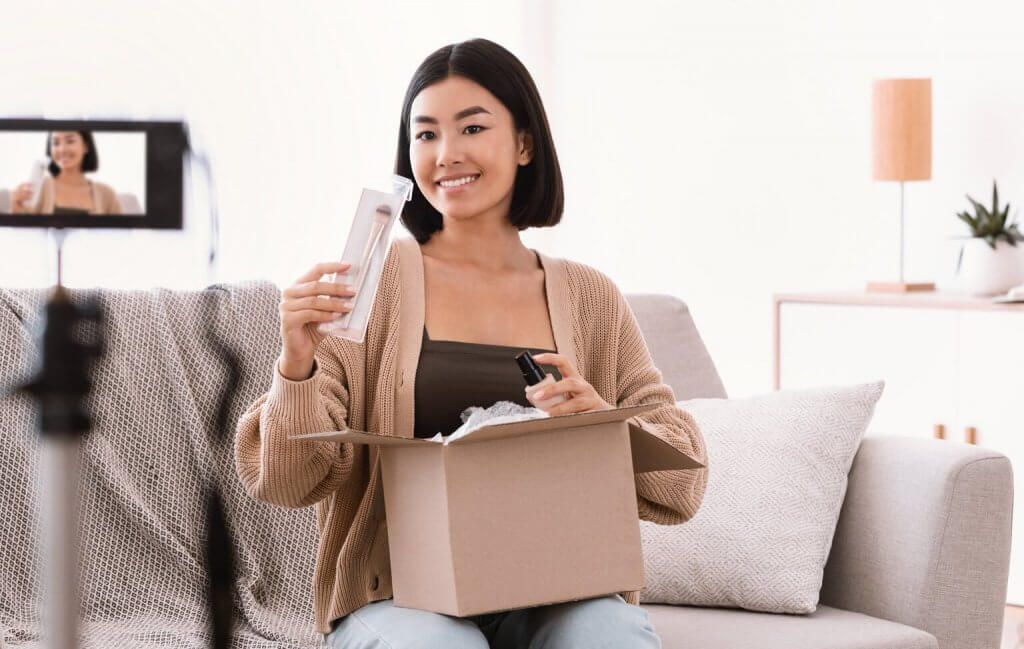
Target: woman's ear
(525, 147)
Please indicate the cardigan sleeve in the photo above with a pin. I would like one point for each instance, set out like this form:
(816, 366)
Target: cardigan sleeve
(292, 472)
(663, 497)
(109, 202)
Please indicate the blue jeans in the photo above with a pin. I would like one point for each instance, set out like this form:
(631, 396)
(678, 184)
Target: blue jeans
(590, 623)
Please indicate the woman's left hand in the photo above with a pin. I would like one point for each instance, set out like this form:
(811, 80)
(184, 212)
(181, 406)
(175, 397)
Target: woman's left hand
(580, 395)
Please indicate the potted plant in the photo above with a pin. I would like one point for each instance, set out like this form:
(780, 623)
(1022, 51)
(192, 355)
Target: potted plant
(990, 260)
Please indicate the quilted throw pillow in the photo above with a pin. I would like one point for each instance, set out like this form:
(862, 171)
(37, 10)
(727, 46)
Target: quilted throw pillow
(777, 472)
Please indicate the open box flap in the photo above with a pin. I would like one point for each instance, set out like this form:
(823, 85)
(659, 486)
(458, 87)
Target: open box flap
(484, 432)
(650, 452)
(572, 420)
(360, 437)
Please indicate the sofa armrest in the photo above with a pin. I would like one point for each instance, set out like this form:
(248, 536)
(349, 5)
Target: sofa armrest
(924, 539)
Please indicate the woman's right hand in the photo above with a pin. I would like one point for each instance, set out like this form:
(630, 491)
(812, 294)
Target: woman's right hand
(304, 305)
(19, 196)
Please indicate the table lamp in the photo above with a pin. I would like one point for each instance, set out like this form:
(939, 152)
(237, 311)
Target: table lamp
(902, 144)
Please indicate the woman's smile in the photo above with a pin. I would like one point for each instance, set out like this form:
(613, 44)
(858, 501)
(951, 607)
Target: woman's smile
(457, 184)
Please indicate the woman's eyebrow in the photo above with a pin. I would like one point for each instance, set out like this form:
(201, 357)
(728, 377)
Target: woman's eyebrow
(462, 114)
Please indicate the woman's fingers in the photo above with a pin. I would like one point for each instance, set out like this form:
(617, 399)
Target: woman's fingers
(317, 303)
(571, 384)
(318, 288)
(321, 269)
(579, 403)
(307, 302)
(292, 319)
(561, 361)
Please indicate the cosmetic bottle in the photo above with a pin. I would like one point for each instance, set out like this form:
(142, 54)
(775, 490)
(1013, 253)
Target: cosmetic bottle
(536, 380)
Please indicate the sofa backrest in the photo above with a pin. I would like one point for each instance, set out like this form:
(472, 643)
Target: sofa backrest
(676, 346)
(145, 460)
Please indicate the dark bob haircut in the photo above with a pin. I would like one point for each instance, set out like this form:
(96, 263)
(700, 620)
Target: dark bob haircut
(537, 199)
(90, 161)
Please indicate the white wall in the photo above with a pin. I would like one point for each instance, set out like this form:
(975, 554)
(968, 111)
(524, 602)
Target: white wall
(716, 151)
(720, 151)
(296, 105)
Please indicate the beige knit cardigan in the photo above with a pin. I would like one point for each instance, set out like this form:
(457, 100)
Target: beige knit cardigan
(104, 199)
(369, 386)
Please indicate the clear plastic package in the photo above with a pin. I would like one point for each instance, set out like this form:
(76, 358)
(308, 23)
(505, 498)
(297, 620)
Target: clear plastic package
(38, 173)
(366, 248)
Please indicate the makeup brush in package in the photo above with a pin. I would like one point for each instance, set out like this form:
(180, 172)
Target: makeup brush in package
(365, 251)
(381, 220)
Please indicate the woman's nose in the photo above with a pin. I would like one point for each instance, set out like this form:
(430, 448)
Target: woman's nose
(449, 153)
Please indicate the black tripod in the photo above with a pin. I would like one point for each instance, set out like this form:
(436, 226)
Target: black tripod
(61, 387)
(72, 339)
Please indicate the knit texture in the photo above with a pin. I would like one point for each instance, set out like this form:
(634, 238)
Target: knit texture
(765, 530)
(365, 386)
(151, 448)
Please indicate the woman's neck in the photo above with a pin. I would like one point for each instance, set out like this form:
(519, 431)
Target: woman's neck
(71, 177)
(480, 244)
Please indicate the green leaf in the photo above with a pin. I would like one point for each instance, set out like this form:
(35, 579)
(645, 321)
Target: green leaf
(968, 219)
(992, 225)
(979, 209)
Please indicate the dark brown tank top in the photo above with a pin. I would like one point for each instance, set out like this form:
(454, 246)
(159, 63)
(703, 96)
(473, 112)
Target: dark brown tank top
(454, 375)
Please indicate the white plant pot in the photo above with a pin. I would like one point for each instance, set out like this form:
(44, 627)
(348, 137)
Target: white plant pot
(984, 271)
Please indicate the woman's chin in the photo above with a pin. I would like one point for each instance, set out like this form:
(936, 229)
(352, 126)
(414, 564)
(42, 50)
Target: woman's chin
(459, 213)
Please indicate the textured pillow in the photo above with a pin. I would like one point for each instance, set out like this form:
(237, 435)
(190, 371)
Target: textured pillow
(777, 472)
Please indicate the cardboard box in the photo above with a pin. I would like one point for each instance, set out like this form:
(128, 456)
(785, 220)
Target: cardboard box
(517, 514)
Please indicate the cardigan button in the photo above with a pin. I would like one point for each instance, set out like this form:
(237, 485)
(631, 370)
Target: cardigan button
(401, 379)
(376, 583)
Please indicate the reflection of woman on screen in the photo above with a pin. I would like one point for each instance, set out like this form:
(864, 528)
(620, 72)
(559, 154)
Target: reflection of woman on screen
(65, 189)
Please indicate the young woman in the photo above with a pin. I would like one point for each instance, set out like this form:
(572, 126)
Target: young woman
(66, 190)
(455, 303)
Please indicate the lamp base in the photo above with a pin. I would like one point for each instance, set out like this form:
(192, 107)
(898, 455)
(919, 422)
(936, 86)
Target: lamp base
(898, 287)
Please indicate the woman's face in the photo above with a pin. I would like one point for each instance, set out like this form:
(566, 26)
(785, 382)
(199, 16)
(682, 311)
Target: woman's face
(67, 148)
(464, 148)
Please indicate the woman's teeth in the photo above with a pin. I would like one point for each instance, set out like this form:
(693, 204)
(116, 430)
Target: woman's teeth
(458, 182)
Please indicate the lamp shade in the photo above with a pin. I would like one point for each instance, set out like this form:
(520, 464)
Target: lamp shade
(902, 129)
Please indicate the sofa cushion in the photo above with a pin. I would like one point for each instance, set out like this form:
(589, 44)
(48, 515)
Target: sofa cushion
(683, 627)
(777, 472)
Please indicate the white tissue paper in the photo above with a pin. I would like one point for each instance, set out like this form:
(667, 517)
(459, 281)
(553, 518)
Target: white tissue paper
(502, 412)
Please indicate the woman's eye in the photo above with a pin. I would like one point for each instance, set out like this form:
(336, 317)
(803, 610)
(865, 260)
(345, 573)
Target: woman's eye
(479, 128)
(422, 135)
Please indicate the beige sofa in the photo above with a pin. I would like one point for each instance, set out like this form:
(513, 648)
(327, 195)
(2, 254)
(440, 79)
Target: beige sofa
(917, 568)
